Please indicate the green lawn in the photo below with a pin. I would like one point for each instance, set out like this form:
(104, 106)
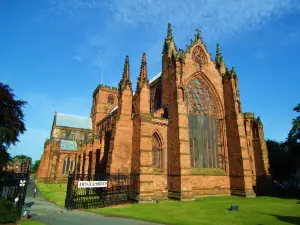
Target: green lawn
(30, 222)
(55, 193)
(210, 210)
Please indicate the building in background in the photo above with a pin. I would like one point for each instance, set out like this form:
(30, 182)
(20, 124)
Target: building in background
(18, 164)
(183, 131)
(60, 150)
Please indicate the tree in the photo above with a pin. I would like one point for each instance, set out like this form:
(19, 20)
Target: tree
(24, 160)
(293, 140)
(282, 164)
(11, 122)
(35, 166)
(294, 134)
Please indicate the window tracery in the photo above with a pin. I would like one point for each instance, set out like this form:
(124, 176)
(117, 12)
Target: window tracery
(199, 98)
(203, 125)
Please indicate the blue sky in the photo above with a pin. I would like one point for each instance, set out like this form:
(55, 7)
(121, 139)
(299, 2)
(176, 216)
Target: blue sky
(52, 52)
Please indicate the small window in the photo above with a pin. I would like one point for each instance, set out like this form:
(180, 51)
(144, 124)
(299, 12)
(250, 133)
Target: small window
(68, 134)
(110, 99)
(157, 99)
(85, 139)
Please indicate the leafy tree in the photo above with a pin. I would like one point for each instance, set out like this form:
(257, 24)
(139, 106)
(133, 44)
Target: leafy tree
(11, 122)
(24, 160)
(293, 140)
(281, 161)
(35, 166)
(294, 134)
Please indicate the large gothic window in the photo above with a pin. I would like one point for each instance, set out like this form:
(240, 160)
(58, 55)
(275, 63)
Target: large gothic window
(203, 126)
(157, 151)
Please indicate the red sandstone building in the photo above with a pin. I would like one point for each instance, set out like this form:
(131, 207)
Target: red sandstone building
(183, 131)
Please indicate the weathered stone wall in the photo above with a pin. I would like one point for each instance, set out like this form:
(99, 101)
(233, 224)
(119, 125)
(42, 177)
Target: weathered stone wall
(75, 134)
(205, 185)
(238, 153)
(160, 186)
(101, 106)
(122, 145)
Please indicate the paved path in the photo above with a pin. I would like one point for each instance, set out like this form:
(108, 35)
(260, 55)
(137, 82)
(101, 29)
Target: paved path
(49, 213)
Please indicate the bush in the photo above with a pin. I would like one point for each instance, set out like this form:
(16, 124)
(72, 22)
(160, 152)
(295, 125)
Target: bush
(8, 212)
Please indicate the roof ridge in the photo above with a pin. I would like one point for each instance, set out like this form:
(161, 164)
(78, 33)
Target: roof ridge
(86, 117)
(154, 78)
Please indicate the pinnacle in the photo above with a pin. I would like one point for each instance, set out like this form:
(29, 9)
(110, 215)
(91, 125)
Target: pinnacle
(197, 35)
(170, 35)
(218, 50)
(126, 72)
(233, 70)
(144, 57)
(143, 71)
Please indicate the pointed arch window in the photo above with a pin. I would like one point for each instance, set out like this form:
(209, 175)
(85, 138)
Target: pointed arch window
(157, 151)
(203, 125)
(67, 165)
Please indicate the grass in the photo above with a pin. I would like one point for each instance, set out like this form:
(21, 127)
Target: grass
(55, 193)
(209, 210)
(30, 222)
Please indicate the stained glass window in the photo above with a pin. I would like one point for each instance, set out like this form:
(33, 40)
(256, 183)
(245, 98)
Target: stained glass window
(203, 126)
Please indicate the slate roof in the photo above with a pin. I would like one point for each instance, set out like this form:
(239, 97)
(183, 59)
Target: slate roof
(67, 145)
(155, 78)
(66, 120)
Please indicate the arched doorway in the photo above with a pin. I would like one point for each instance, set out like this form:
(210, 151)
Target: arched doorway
(203, 125)
(157, 152)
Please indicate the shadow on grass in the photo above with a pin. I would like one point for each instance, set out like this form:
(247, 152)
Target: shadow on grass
(288, 219)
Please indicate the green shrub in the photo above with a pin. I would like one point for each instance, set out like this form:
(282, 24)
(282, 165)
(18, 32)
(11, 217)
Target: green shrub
(8, 212)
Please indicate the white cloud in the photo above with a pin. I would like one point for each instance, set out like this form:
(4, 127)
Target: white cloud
(216, 17)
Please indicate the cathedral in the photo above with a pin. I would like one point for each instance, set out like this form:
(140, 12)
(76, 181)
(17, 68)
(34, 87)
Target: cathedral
(183, 131)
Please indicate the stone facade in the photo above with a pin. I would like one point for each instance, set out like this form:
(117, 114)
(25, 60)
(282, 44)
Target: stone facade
(183, 131)
(59, 156)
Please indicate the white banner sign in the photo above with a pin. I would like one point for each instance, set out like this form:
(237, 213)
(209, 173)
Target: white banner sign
(92, 184)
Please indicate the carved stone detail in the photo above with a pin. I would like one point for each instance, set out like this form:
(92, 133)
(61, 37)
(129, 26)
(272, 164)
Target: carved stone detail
(198, 55)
